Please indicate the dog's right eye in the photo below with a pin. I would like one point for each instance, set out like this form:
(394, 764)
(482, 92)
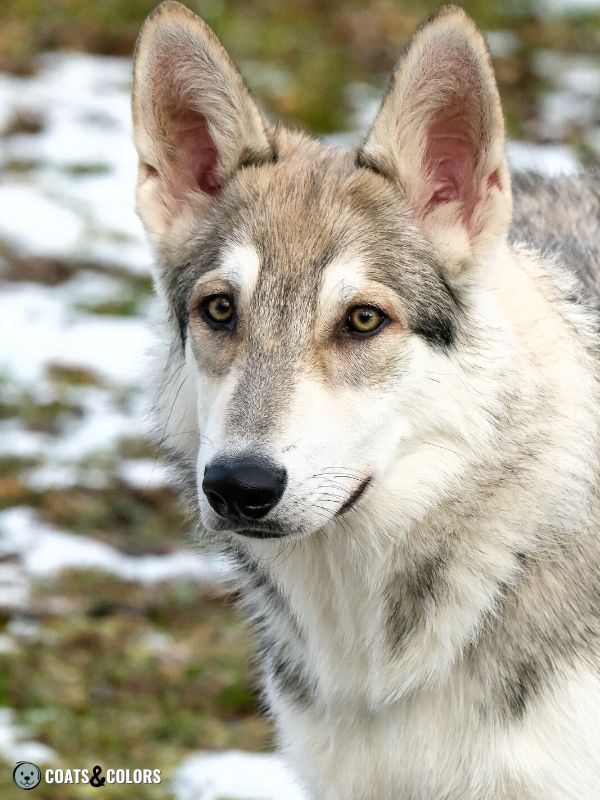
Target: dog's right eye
(218, 311)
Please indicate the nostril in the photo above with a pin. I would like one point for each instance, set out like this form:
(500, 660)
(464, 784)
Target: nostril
(216, 502)
(213, 497)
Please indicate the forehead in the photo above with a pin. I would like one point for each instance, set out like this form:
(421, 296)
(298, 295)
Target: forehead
(311, 207)
(280, 226)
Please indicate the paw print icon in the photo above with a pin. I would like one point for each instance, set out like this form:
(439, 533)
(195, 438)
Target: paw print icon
(27, 775)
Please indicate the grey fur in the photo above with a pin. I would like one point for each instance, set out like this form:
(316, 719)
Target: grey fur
(561, 217)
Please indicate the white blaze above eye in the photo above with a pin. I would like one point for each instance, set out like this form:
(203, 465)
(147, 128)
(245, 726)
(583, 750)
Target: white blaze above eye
(240, 266)
(342, 279)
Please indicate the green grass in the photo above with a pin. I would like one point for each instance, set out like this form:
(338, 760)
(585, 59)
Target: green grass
(298, 57)
(130, 301)
(136, 521)
(79, 170)
(126, 676)
(46, 417)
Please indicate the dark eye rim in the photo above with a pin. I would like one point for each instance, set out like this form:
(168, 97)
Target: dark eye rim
(354, 334)
(227, 325)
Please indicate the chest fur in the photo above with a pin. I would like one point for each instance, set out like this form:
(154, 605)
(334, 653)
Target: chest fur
(368, 705)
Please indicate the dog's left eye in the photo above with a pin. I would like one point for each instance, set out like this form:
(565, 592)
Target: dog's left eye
(364, 320)
(218, 311)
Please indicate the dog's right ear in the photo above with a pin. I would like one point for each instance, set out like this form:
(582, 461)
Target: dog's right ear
(193, 117)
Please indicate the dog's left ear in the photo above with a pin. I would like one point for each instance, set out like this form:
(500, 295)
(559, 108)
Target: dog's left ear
(440, 135)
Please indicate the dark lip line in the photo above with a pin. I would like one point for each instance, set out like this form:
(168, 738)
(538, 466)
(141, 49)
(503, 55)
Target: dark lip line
(354, 497)
(258, 533)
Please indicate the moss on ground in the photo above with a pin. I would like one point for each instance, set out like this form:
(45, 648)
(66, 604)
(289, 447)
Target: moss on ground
(125, 675)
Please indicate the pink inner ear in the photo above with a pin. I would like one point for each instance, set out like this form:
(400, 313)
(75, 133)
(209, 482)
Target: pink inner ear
(450, 162)
(195, 157)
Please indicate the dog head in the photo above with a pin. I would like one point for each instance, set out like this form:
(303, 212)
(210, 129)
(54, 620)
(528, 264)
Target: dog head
(317, 298)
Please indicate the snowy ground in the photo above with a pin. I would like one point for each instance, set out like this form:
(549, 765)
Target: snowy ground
(74, 337)
(243, 776)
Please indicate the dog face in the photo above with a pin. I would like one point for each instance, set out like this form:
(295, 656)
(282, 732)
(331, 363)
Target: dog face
(317, 296)
(27, 775)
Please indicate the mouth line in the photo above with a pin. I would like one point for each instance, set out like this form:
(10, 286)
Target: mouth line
(258, 533)
(266, 533)
(255, 532)
(354, 497)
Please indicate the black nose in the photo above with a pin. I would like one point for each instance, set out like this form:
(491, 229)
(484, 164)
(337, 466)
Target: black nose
(247, 487)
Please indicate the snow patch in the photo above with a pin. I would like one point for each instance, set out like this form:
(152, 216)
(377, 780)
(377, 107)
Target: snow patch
(49, 331)
(44, 551)
(41, 225)
(565, 8)
(546, 159)
(235, 775)
(144, 473)
(13, 745)
(80, 197)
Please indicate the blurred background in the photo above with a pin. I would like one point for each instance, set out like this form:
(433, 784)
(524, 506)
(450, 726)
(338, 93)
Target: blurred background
(119, 643)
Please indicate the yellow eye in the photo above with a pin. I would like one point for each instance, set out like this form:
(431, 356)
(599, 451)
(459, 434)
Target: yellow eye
(364, 320)
(218, 310)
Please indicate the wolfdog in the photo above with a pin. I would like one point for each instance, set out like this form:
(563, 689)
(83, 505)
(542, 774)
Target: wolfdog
(381, 387)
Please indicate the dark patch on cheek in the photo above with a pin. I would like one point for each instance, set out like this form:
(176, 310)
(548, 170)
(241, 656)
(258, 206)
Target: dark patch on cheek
(437, 328)
(438, 311)
(183, 273)
(433, 307)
